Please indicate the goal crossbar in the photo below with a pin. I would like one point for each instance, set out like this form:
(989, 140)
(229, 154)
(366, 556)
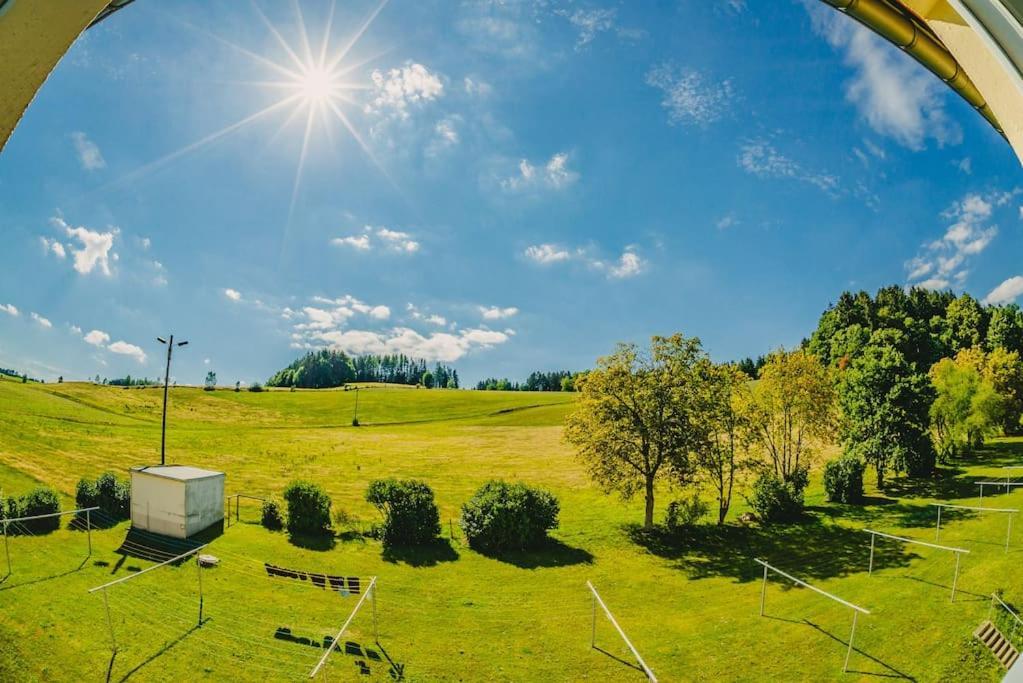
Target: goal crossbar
(147, 569)
(857, 610)
(344, 627)
(804, 584)
(7, 520)
(614, 622)
(976, 508)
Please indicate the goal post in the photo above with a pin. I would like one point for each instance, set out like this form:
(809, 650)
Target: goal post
(1009, 512)
(856, 609)
(1007, 484)
(902, 539)
(370, 592)
(7, 521)
(614, 622)
(110, 584)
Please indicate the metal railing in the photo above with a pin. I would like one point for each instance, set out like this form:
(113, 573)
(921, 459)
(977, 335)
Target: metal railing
(614, 622)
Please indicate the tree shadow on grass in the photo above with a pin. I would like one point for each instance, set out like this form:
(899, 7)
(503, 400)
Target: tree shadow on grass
(317, 542)
(553, 553)
(151, 657)
(809, 549)
(889, 671)
(426, 555)
(945, 484)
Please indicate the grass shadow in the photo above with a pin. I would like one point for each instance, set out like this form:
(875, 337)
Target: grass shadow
(620, 660)
(811, 548)
(890, 671)
(318, 542)
(945, 484)
(152, 657)
(426, 555)
(553, 553)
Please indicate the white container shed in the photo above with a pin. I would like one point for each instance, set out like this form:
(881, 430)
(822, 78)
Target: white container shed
(176, 501)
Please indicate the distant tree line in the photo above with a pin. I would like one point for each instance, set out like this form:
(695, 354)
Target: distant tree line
(331, 368)
(557, 380)
(129, 381)
(19, 375)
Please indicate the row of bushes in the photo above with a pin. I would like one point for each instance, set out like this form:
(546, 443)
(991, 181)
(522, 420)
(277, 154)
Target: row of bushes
(499, 517)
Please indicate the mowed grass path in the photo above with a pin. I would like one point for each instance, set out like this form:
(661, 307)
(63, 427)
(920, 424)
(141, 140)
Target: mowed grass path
(448, 613)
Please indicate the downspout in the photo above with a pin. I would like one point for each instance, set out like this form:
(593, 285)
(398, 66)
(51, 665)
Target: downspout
(910, 34)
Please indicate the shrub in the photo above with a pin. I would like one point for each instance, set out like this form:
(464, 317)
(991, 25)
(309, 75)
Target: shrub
(39, 501)
(410, 513)
(684, 514)
(308, 509)
(502, 516)
(271, 516)
(843, 480)
(775, 500)
(256, 387)
(108, 493)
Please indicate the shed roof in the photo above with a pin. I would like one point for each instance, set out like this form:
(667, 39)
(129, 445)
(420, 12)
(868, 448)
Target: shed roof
(177, 472)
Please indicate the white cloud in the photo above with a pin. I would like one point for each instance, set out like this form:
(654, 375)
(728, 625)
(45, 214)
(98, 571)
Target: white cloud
(360, 242)
(627, 265)
(435, 319)
(41, 320)
(727, 221)
(75, 329)
(445, 135)
(965, 165)
(554, 174)
(943, 262)
(397, 89)
(435, 346)
(54, 246)
(897, 97)
(89, 155)
(392, 240)
(762, 159)
(688, 96)
(95, 247)
(380, 312)
(97, 338)
(475, 86)
(125, 349)
(547, 253)
(1007, 292)
(10, 309)
(497, 313)
(233, 294)
(590, 23)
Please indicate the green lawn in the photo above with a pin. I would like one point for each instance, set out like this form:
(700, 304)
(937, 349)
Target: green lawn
(449, 613)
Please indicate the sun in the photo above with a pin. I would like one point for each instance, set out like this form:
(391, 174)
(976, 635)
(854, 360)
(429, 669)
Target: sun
(317, 84)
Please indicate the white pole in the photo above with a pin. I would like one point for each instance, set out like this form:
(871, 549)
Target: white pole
(593, 625)
(763, 592)
(198, 567)
(1008, 534)
(110, 622)
(982, 493)
(7, 549)
(870, 569)
(376, 633)
(614, 622)
(955, 578)
(937, 529)
(88, 529)
(852, 634)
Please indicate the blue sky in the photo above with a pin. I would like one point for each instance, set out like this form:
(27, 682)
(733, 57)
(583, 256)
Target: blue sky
(519, 185)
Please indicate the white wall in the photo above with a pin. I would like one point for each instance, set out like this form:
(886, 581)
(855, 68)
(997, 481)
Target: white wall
(204, 503)
(158, 504)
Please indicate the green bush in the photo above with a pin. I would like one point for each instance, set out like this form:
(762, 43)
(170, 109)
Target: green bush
(843, 480)
(684, 514)
(108, 493)
(308, 509)
(271, 516)
(256, 387)
(777, 501)
(502, 516)
(39, 501)
(410, 513)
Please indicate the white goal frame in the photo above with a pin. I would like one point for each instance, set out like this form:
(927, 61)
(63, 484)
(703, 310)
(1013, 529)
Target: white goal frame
(371, 591)
(1007, 484)
(902, 539)
(6, 521)
(1009, 512)
(856, 609)
(110, 584)
(614, 622)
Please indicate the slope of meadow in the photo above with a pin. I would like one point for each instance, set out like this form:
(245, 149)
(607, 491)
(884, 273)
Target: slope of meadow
(447, 612)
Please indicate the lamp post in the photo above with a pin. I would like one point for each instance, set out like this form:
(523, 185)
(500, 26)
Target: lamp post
(355, 418)
(166, 383)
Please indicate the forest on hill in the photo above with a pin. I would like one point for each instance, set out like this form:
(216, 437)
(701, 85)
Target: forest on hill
(328, 368)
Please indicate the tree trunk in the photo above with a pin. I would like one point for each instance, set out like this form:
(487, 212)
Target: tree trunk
(880, 479)
(648, 518)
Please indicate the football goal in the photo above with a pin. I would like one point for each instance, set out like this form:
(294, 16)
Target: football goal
(856, 609)
(21, 525)
(959, 552)
(1008, 512)
(370, 592)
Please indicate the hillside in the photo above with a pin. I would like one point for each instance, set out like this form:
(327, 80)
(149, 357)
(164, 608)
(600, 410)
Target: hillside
(449, 613)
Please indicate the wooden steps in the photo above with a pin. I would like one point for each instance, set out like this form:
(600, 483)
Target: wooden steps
(1001, 648)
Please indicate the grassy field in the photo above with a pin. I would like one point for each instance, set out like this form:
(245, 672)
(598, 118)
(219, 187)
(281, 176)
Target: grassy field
(447, 612)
